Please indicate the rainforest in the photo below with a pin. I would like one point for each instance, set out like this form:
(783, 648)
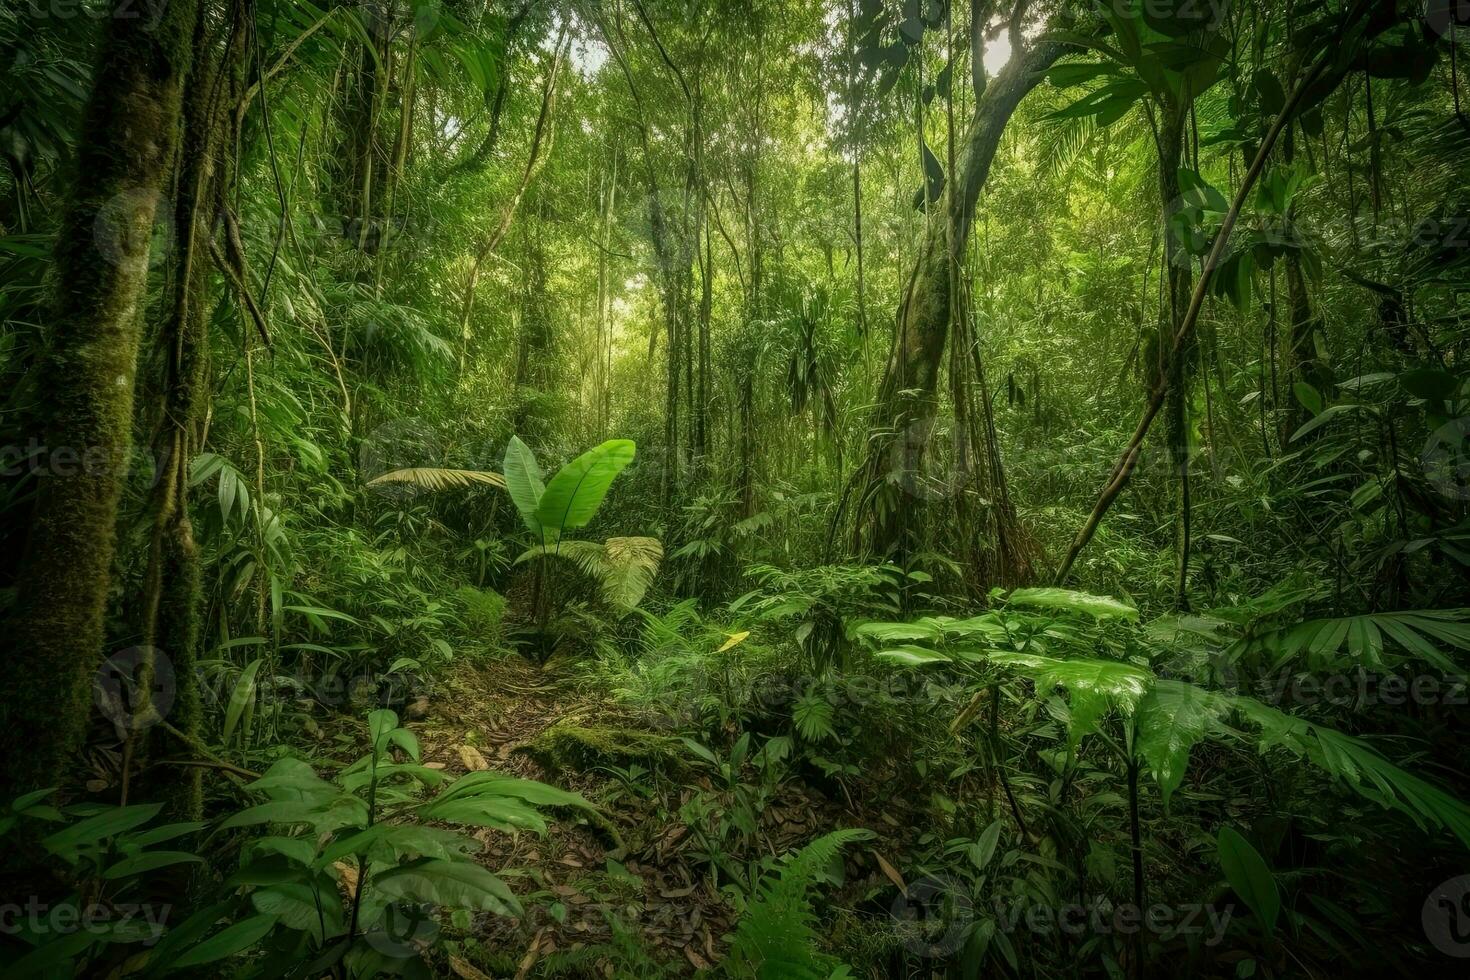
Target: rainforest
(777, 489)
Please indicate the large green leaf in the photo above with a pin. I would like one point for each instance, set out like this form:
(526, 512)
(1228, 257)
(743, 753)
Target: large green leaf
(490, 783)
(455, 884)
(576, 492)
(498, 812)
(148, 861)
(67, 844)
(1093, 685)
(1171, 718)
(915, 656)
(1065, 600)
(301, 907)
(1251, 878)
(523, 481)
(228, 941)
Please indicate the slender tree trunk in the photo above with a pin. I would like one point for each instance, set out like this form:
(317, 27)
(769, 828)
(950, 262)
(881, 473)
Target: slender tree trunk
(359, 189)
(1302, 362)
(541, 144)
(857, 234)
(1179, 280)
(87, 373)
(706, 305)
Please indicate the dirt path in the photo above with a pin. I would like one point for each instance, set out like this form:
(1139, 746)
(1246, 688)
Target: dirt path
(644, 872)
(576, 876)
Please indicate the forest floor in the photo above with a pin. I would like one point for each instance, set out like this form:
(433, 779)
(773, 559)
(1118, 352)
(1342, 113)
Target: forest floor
(640, 875)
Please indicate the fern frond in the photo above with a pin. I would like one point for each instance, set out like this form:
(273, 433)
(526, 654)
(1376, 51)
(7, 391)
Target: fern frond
(439, 478)
(623, 567)
(775, 939)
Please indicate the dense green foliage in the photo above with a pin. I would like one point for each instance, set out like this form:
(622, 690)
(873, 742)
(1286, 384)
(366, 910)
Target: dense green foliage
(641, 488)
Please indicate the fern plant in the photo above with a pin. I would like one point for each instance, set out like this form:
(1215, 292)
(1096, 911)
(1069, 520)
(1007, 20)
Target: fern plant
(776, 938)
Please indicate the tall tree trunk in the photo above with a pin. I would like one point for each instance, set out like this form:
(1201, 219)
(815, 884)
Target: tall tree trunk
(706, 305)
(170, 601)
(1302, 362)
(363, 154)
(86, 377)
(907, 402)
(1179, 281)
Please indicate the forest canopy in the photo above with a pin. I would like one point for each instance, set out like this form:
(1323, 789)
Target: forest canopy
(782, 489)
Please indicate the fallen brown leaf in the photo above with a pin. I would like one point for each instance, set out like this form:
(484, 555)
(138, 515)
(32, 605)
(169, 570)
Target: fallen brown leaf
(467, 970)
(349, 877)
(891, 872)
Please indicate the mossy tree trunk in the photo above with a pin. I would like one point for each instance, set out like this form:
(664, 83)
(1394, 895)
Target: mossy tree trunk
(86, 378)
(169, 616)
(907, 399)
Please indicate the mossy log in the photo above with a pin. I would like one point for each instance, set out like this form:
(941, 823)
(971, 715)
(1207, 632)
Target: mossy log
(579, 744)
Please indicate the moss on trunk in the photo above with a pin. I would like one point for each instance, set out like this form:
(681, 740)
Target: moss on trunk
(908, 399)
(86, 377)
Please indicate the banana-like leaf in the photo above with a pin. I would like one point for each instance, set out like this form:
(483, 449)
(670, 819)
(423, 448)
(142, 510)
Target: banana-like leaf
(439, 478)
(523, 481)
(577, 491)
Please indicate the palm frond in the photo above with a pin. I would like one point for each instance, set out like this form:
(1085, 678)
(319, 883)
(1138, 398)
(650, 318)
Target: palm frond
(1421, 633)
(1359, 766)
(439, 478)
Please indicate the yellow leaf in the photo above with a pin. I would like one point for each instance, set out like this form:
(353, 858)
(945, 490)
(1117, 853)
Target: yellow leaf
(734, 641)
(891, 872)
(472, 759)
